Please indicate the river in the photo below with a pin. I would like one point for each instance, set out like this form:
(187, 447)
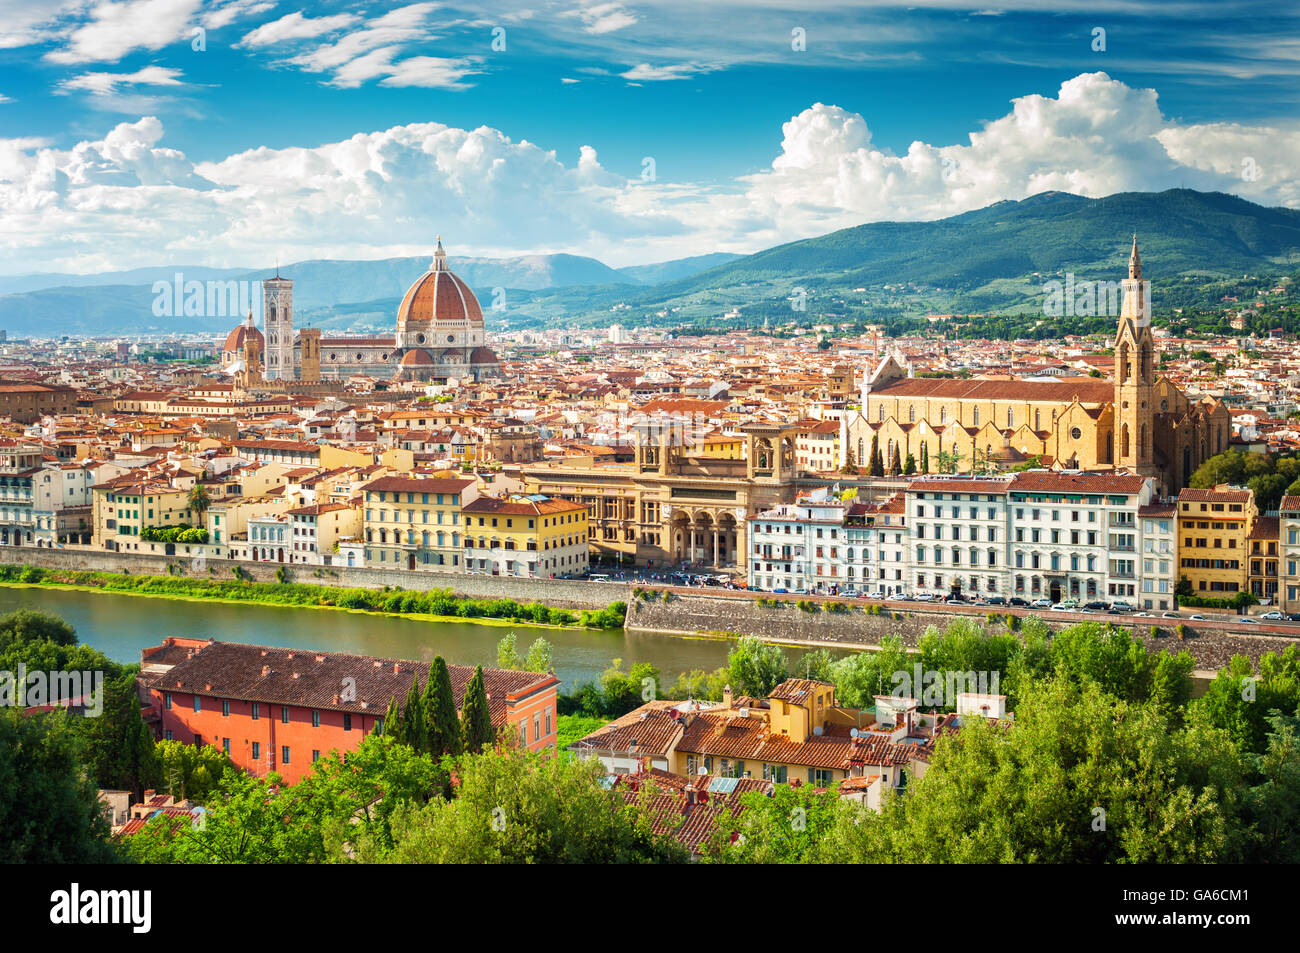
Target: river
(120, 626)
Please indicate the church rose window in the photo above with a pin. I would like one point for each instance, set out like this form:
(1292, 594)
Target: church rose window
(1076, 433)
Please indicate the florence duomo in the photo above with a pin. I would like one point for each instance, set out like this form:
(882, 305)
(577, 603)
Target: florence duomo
(440, 335)
(1139, 421)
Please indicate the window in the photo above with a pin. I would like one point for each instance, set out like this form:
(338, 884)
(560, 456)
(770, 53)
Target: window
(315, 755)
(225, 707)
(315, 719)
(284, 754)
(347, 722)
(257, 750)
(225, 746)
(167, 700)
(284, 714)
(198, 703)
(256, 713)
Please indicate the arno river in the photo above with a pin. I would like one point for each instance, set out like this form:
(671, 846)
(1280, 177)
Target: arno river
(120, 626)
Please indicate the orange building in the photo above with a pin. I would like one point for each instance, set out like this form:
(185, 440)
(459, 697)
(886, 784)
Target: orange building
(279, 709)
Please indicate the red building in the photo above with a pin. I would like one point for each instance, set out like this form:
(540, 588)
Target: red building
(278, 709)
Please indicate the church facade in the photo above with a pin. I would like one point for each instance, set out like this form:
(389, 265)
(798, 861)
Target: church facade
(439, 335)
(1139, 421)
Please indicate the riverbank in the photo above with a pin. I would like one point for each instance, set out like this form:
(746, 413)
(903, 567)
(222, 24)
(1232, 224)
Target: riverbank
(437, 605)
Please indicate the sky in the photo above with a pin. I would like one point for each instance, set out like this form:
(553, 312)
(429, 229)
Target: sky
(145, 133)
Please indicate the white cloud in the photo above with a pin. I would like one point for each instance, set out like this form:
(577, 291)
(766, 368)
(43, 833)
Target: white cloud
(601, 18)
(644, 72)
(105, 83)
(295, 26)
(117, 28)
(129, 200)
(5, 99)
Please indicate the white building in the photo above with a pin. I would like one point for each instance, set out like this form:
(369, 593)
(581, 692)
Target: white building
(958, 532)
(799, 545)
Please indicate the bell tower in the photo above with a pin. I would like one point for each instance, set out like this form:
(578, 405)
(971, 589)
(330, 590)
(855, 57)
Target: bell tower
(1135, 374)
(277, 313)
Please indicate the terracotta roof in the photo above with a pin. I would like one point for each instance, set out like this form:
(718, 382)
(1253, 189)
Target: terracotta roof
(314, 679)
(1088, 390)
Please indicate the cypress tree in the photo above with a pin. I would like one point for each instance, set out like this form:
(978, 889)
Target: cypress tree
(393, 720)
(414, 732)
(877, 465)
(925, 458)
(909, 465)
(896, 465)
(440, 711)
(476, 717)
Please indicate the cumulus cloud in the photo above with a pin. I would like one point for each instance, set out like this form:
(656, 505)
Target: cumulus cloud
(116, 29)
(129, 200)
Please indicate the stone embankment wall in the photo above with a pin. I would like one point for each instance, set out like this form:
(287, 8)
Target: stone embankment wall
(1212, 648)
(562, 593)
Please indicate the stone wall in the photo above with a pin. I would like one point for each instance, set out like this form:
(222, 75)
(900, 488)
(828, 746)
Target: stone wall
(561, 593)
(713, 615)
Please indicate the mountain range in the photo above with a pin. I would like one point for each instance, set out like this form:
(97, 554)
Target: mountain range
(994, 258)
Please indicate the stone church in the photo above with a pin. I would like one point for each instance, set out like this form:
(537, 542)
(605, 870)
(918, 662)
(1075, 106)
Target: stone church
(1139, 422)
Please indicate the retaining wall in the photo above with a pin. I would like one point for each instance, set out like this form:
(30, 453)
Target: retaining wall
(562, 593)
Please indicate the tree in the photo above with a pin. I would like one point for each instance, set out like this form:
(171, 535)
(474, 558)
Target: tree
(850, 461)
(476, 718)
(909, 465)
(755, 667)
(507, 653)
(393, 721)
(1078, 777)
(925, 458)
(440, 711)
(896, 465)
(876, 466)
(539, 658)
(782, 829)
(513, 806)
(119, 748)
(859, 677)
(198, 500)
(414, 731)
(191, 771)
(49, 807)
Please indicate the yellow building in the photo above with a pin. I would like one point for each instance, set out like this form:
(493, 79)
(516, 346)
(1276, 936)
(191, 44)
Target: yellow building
(1289, 561)
(531, 536)
(415, 522)
(125, 506)
(1214, 528)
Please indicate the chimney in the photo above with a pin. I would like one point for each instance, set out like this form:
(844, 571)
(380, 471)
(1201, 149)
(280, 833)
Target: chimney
(397, 667)
(266, 670)
(726, 696)
(690, 793)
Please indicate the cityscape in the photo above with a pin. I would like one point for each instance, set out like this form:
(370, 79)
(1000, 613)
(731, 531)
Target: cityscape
(400, 482)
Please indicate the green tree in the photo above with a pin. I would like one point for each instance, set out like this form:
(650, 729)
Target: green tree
(49, 806)
(876, 466)
(393, 721)
(119, 747)
(507, 653)
(782, 829)
(191, 771)
(440, 711)
(925, 458)
(198, 500)
(755, 667)
(859, 677)
(515, 806)
(909, 465)
(895, 465)
(476, 718)
(414, 731)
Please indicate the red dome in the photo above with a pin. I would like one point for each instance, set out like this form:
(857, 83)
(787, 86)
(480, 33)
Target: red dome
(235, 339)
(438, 297)
(416, 356)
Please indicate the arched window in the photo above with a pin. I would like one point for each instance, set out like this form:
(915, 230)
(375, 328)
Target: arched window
(975, 417)
(1038, 422)
(1010, 418)
(1123, 441)
(943, 415)
(911, 413)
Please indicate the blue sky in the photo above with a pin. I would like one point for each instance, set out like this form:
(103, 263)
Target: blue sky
(360, 129)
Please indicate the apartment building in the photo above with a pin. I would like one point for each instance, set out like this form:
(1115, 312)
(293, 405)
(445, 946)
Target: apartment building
(415, 522)
(958, 532)
(1289, 553)
(1074, 535)
(275, 709)
(125, 506)
(19, 465)
(533, 536)
(1158, 539)
(1262, 565)
(800, 545)
(1214, 529)
(317, 527)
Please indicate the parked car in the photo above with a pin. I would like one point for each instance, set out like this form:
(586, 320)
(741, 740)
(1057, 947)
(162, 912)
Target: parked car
(954, 601)
(1097, 606)
(1170, 615)
(878, 594)
(1017, 601)
(1041, 604)
(924, 597)
(1197, 618)
(1144, 615)
(1273, 615)
(1248, 620)
(995, 601)
(1121, 606)
(1062, 607)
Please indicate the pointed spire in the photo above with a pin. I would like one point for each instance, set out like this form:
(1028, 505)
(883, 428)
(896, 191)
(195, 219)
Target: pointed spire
(1134, 262)
(439, 258)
